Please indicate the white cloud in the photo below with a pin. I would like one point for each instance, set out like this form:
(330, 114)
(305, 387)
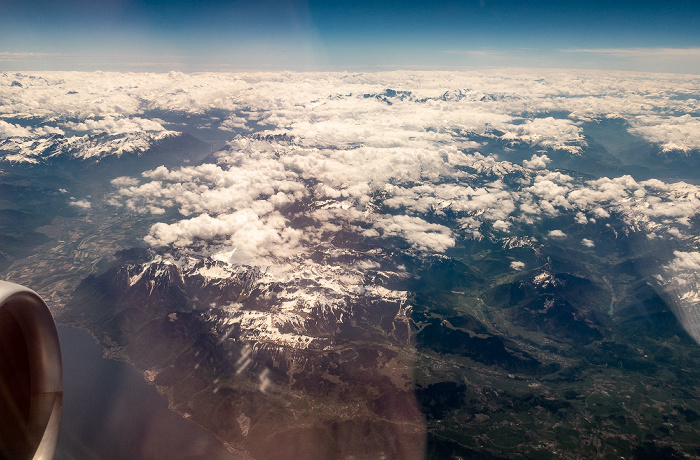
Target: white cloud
(252, 238)
(679, 282)
(419, 233)
(557, 134)
(684, 261)
(537, 161)
(235, 122)
(517, 265)
(125, 181)
(501, 226)
(600, 213)
(110, 124)
(557, 234)
(83, 204)
(680, 133)
(216, 189)
(588, 243)
(9, 129)
(675, 232)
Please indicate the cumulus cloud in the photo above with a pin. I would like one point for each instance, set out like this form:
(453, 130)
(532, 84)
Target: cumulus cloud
(83, 204)
(233, 123)
(581, 218)
(125, 181)
(419, 233)
(16, 130)
(110, 124)
(588, 243)
(537, 161)
(209, 188)
(557, 134)
(679, 282)
(9, 129)
(500, 225)
(517, 265)
(684, 261)
(252, 237)
(681, 133)
(557, 234)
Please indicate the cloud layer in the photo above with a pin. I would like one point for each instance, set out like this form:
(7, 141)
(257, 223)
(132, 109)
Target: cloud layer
(379, 109)
(328, 171)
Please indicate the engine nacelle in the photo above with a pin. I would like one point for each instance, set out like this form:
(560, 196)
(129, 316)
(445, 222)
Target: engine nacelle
(31, 381)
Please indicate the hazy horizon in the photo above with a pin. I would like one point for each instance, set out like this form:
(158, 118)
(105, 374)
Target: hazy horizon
(130, 35)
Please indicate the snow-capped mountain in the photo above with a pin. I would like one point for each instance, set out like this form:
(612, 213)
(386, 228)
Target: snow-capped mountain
(88, 147)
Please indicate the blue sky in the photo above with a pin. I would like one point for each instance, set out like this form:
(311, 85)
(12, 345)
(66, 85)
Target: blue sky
(348, 35)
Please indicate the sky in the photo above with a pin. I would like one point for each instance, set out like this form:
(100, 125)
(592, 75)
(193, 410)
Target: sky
(213, 35)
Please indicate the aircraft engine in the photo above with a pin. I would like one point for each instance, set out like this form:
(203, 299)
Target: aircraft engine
(31, 382)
